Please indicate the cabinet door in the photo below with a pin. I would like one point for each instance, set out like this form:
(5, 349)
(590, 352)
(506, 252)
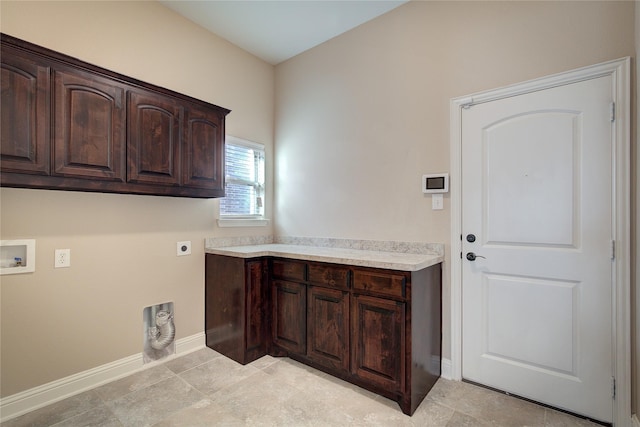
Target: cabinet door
(154, 139)
(378, 347)
(289, 316)
(89, 120)
(25, 123)
(203, 152)
(224, 297)
(255, 333)
(328, 327)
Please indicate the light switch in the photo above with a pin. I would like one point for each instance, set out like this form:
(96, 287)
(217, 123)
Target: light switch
(437, 202)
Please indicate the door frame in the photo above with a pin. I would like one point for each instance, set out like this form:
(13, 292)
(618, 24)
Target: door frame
(621, 277)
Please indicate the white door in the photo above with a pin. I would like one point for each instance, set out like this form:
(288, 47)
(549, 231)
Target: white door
(537, 197)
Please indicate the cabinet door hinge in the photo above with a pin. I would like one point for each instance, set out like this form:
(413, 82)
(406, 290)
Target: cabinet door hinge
(612, 112)
(613, 387)
(613, 250)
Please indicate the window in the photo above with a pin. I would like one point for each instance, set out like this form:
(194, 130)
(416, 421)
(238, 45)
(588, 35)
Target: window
(244, 175)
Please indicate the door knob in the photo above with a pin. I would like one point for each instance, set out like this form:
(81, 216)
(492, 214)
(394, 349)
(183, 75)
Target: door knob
(472, 257)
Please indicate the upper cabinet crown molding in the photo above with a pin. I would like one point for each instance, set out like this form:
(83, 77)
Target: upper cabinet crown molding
(70, 125)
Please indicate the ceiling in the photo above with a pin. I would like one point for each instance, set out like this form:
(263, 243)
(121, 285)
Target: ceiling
(278, 30)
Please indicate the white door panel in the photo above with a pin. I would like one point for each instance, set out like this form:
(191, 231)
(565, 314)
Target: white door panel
(518, 309)
(540, 180)
(537, 195)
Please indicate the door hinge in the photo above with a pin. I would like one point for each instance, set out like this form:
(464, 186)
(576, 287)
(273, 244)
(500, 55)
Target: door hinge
(613, 250)
(613, 387)
(612, 112)
(466, 103)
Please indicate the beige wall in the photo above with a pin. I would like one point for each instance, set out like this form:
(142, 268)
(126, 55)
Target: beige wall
(58, 322)
(360, 118)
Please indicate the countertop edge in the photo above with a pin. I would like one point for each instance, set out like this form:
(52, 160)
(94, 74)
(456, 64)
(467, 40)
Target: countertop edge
(361, 260)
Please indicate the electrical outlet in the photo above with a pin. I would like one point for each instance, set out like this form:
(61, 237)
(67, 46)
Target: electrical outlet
(62, 258)
(183, 248)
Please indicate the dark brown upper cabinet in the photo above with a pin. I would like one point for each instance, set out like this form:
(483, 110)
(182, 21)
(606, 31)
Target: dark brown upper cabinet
(154, 139)
(25, 142)
(69, 125)
(89, 124)
(203, 154)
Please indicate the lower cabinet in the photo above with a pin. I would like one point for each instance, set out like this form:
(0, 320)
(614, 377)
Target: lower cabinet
(379, 339)
(255, 343)
(235, 307)
(289, 316)
(328, 327)
(379, 329)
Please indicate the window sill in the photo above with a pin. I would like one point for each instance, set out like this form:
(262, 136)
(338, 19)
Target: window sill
(243, 222)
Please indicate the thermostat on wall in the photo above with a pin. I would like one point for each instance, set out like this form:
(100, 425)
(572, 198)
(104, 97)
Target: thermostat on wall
(435, 183)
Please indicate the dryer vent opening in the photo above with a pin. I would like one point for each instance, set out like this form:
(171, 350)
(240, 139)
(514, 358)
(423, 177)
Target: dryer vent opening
(159, 332)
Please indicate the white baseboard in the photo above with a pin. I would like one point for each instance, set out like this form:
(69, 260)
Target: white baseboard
(445, 369)
(46, 394)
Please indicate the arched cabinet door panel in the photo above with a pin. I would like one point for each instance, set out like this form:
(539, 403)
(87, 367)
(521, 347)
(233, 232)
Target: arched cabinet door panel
(203, 155)
(154, 139)
(89, 123)
(24, 141)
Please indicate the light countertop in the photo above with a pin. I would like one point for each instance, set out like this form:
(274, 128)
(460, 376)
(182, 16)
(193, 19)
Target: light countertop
(363, 258)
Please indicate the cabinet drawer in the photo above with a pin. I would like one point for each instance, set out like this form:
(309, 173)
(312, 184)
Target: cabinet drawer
(335, 277)
(379, 282)
(291, 270)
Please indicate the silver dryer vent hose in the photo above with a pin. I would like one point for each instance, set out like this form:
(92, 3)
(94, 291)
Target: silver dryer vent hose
(165, 331)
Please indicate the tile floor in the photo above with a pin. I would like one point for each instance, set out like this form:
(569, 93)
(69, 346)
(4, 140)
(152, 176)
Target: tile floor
(204, 388)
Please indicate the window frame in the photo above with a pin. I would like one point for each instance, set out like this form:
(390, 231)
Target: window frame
(231, 220)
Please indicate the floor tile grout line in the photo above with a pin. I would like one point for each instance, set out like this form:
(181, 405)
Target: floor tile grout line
(131, 391)
(202, 395)
(93, 408)
(218, 355)
(188, 407)
(211, 396)
(206, 362)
